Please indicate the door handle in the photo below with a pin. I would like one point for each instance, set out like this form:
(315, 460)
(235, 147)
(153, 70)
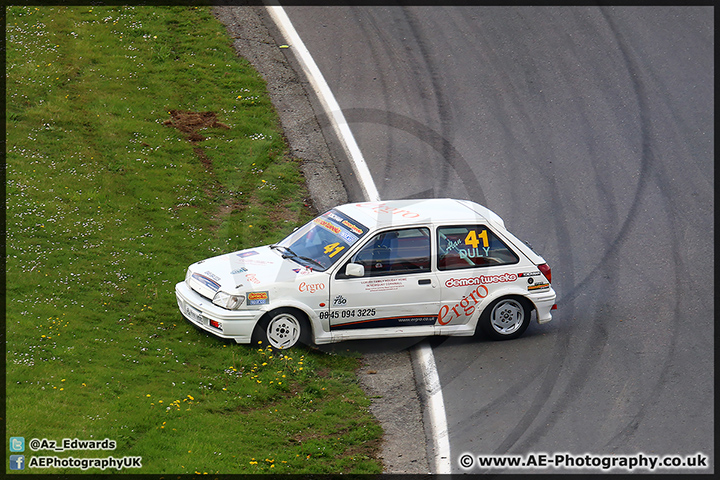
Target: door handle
(424, 281)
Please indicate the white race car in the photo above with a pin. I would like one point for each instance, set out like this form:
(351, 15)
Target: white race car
(374, 270)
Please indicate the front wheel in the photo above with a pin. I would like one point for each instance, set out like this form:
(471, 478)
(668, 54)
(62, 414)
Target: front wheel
(506, 318)
(281, 329)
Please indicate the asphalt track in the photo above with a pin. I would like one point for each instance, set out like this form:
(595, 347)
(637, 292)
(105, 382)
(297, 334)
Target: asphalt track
(590, 130)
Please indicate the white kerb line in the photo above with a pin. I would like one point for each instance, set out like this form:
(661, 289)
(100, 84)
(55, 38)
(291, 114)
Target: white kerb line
(337, 119)
(436, 408)
(436, 405)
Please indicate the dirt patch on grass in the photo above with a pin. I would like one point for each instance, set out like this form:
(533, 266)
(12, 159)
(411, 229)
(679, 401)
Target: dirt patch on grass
(190, 122)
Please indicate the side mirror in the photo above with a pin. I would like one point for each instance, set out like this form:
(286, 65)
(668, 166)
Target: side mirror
(354, 270)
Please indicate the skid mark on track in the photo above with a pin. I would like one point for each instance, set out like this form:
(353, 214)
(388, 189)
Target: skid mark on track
(621, 438)
(609, 262)
(432, 138)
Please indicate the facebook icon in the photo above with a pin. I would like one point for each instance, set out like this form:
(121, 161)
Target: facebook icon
(17, 462)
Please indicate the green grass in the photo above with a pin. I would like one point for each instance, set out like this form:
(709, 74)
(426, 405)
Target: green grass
(107, 206)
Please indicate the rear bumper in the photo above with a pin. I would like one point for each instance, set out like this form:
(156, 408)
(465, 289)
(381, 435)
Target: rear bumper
(236, 325)
(544, 303)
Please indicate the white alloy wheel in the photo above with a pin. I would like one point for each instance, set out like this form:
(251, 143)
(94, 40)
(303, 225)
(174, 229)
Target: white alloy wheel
(281, 329)
(506, 318)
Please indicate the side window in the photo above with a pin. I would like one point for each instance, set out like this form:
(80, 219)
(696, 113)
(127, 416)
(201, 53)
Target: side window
(395, 252)
(470, 246)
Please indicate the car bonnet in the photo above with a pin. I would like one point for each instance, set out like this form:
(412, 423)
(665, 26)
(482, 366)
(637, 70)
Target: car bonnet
(244, 271)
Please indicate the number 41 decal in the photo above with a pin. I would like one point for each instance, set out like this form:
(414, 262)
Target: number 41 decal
(473, 239)
(333, 246)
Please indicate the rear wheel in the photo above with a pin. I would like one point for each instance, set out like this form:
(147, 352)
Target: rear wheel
(506, 318)
(281, 329)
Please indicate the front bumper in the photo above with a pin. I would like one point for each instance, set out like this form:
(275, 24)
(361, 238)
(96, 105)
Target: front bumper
(237, 325)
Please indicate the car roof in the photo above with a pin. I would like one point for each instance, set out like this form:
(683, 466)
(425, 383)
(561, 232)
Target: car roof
(414, 211)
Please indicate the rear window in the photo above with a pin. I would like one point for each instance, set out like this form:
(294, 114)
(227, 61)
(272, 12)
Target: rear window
(471, 246)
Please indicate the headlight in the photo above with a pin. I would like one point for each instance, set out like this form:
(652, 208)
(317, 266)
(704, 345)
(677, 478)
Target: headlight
(227, 301)
(188, 274)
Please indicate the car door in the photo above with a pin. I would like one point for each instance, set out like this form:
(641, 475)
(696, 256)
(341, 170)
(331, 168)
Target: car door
(397, 291)
(473, 263)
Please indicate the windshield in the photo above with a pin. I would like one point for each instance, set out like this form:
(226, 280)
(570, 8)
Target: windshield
(323, 241)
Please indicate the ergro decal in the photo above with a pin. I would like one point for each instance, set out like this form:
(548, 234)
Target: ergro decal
(258, 298)
(445, 315)
(311, 287)
(383, 208)
(467, 282)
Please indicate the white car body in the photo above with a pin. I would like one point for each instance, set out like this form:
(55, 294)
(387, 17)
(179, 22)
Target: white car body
(405, 294)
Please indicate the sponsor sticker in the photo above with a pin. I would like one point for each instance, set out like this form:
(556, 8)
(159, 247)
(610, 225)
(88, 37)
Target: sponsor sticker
(384, 284)
(447, 313)
(352, 227)
(480, 280)
(311, 287)
(348, 237)
(246, 254)
(258, 298)
(538, 286)
(207, 281)
(334, 216)
(528, 274)
(409, 321)
(212, 275)
(328, 226)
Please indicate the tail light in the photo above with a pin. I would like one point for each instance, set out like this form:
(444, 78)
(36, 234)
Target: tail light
(545, 269)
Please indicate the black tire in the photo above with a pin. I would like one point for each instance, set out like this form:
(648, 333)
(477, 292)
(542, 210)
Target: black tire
(506, 318)
(281, 329)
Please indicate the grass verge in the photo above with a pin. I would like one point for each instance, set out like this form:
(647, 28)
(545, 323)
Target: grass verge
(111, 192)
